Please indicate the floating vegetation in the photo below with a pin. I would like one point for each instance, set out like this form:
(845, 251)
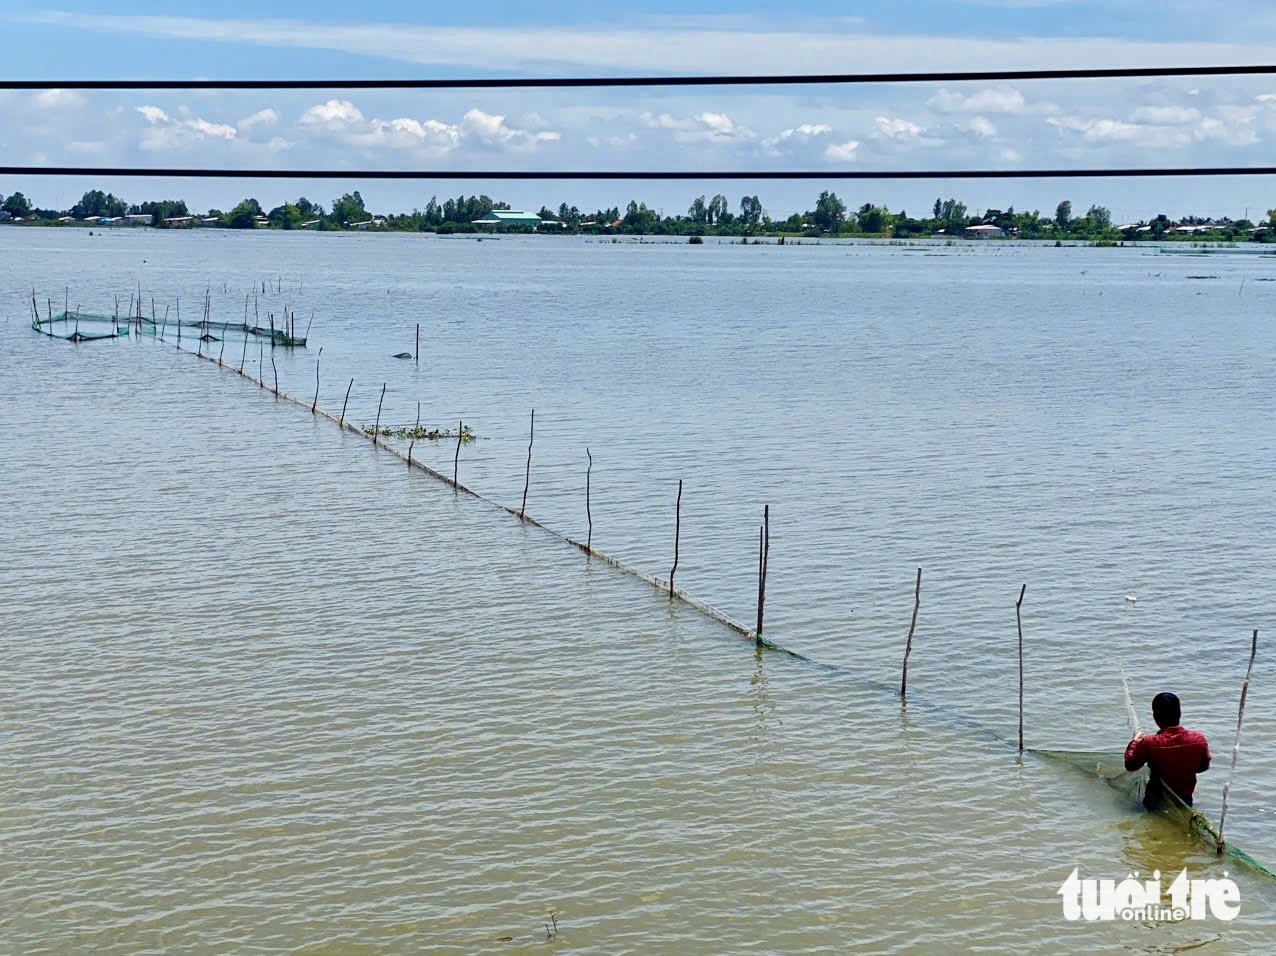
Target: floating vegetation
(419, 432)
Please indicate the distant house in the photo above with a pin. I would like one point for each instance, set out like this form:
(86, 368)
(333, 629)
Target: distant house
(138, 219)
(311, 224)
(361, 226)
(66, 219)
(509, 217)
(211, 221)
(179, 222)
(110, 220)
(986, 231)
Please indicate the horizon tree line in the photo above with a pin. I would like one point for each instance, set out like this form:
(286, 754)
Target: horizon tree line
(704, 216)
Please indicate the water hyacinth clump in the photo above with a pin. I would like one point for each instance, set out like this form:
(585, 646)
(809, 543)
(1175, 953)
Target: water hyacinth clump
(420, 432)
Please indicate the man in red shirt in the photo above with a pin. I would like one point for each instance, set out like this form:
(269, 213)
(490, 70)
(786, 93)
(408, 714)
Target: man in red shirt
(1174, 756)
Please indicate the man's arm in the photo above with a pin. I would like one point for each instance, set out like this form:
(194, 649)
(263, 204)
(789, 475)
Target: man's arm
(1135, 753)
(1205, 758)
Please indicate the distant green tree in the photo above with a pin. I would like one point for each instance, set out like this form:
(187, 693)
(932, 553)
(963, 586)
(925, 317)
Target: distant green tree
(829, 214)
(1100, 216)
(97, 203)
(718, 207)
(17, 205)
(1063, 216)
(750, 212)
(872, 219)
(287, 216)
(244, 215)
(349, 209)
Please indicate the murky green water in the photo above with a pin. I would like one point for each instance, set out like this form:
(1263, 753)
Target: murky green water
(263, 688)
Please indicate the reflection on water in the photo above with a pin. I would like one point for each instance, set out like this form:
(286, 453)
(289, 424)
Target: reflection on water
(264, 688)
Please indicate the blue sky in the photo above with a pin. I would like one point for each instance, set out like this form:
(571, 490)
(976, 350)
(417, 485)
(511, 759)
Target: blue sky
(1201, 121)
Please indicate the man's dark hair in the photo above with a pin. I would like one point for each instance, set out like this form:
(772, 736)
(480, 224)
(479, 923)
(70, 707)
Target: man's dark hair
(1165, 709)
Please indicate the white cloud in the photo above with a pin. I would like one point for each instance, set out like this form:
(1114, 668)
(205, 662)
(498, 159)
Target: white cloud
(219, 130)
(802, 133)
(345, 122)
(333, 114)
(702, 128)
(1166, 115)
(842, 152)
(58, 100)
(982, 126)
(259, 120)
(1001, 99)
(493, 131)
(896, 128)
(1119, 131)
(164, 132)
(695, 46)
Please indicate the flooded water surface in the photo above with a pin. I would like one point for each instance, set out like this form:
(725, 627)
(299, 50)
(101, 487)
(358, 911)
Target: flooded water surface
(264, 688)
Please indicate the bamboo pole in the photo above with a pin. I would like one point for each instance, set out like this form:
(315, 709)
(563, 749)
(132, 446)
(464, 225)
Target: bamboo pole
(1236, 748)
(418, 343)
(244, 354)
(764, 546)
(179, 323)
(261, 363)
(275, 370)
(415, 429)
(456, 460)
(376, 429)
(908, 650)
(527, 478)
(315, 404)
(1019, 627)
(677, 535)
(342, 419)
(589, 539)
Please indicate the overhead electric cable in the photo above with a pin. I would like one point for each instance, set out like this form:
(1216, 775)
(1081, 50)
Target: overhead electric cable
(635, 174)
(815, 79)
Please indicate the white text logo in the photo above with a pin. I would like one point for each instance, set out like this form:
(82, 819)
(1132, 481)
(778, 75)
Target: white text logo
(1134, 899)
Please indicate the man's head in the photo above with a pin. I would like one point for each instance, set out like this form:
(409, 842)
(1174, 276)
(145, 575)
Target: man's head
(1165, 710)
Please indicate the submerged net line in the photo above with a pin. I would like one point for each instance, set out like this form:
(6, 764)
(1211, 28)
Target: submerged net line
(1110, 768)
(658, 583)
(1105, 765)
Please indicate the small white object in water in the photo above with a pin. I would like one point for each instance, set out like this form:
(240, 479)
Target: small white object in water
(1130, 598)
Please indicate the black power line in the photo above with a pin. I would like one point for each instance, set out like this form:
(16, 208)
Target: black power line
(956, 76)
(577, 174)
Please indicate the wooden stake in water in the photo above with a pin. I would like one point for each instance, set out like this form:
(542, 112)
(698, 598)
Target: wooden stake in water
(418, 344)
(315, 404)
(376, 429)
(764, 553)
(589, 539)
(677, 534)
(342, 420)
(1236, 749)
(415, 430)
(456, 461)
(908, 650)
(1019, 626)
(527, 478)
